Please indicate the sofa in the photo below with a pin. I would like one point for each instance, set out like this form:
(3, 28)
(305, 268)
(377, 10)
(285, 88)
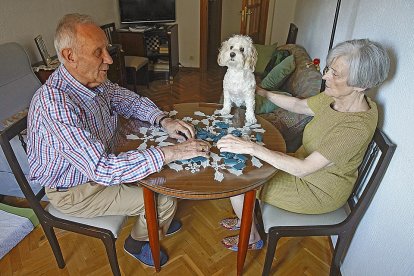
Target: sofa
(304, 82)
(18, 83)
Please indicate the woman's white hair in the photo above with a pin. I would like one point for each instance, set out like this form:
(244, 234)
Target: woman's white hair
(65, 35)
(368, 62)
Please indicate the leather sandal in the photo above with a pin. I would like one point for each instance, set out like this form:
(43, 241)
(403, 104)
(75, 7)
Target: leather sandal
(230, 223)
(232, 243)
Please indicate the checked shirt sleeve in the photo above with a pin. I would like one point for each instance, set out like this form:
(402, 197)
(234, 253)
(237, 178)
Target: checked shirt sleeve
(83, 153)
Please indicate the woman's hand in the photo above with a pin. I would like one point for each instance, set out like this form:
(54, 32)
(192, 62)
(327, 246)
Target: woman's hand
(260, 91)
(230, 143)
(188, 149)
(178, 129)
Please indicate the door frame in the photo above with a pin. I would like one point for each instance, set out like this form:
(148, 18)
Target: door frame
(263, 21)
(203, 34)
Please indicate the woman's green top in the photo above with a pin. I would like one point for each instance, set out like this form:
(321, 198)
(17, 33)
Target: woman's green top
(342, 138)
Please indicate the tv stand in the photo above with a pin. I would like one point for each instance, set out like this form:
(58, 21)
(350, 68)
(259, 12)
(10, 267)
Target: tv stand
(159, 44)
(141, 28)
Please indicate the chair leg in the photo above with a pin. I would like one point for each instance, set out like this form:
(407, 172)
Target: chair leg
(270, 253)
(109, 243)
(259, 219)
(339, 252)
(51, 237)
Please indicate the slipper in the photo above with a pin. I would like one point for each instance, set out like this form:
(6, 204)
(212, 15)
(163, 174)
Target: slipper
(233, 241)
(175, 226)
(230, 223)
(145, 255)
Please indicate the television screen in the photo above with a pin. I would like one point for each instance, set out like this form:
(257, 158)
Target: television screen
(147, 11)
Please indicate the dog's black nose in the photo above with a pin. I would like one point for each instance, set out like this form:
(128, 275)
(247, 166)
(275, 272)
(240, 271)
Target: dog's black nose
(232, 54)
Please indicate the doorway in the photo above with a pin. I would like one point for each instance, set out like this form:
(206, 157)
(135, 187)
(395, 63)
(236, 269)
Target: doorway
(214, 32)
(211, 25)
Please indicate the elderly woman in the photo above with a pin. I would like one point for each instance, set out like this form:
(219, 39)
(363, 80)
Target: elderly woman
(320, 175)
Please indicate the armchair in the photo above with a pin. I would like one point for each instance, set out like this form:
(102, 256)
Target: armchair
(18, 83)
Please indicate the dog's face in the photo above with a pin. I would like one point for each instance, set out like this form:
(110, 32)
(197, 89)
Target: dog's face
(238, 52)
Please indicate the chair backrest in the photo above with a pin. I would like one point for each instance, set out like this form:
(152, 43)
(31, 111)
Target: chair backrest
(109, 30)
(105, 228)
(293, 33)
(6, 136)
(18, 83)
(370, 173)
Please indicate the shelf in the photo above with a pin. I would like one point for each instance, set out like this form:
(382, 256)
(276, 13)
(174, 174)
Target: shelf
(158, 44)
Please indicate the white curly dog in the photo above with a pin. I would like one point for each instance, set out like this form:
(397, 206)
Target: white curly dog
(239, 84)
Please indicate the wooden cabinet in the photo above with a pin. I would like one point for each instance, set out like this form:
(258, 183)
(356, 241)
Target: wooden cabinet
(159, 44)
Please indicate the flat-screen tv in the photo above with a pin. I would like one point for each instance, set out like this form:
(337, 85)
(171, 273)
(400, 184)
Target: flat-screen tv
(147, 11)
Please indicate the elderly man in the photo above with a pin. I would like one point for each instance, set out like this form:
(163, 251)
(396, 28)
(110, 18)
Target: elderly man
(71, 122)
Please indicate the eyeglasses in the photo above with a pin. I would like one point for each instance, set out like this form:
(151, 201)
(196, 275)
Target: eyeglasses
(333, 71)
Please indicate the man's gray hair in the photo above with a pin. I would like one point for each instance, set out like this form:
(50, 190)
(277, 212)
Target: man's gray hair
(368, 62)
(65, 36)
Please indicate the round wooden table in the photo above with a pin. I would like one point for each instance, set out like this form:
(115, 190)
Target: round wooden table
(201, 185)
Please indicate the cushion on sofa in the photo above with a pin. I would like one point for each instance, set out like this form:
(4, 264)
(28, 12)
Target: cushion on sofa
(263, 105)
(264, 54)
(304, 82)
(277, 57)
(279, 74)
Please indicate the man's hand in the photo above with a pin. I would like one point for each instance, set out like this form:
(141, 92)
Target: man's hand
(178, 129)
(188, 149)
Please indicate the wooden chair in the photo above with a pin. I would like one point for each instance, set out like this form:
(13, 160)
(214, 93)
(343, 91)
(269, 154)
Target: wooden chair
(105, 228)
(293, 33)
(343, 222)
(18, 83)
(135, 65)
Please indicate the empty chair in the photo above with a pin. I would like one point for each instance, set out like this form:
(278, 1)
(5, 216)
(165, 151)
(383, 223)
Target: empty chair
(17, 86)
(292, 34)
(136, 66)
(343, 222)
(109, 29)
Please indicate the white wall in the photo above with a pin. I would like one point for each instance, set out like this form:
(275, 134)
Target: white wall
(22, 21)
(314, 20)
(281, 14)
(384, 241)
